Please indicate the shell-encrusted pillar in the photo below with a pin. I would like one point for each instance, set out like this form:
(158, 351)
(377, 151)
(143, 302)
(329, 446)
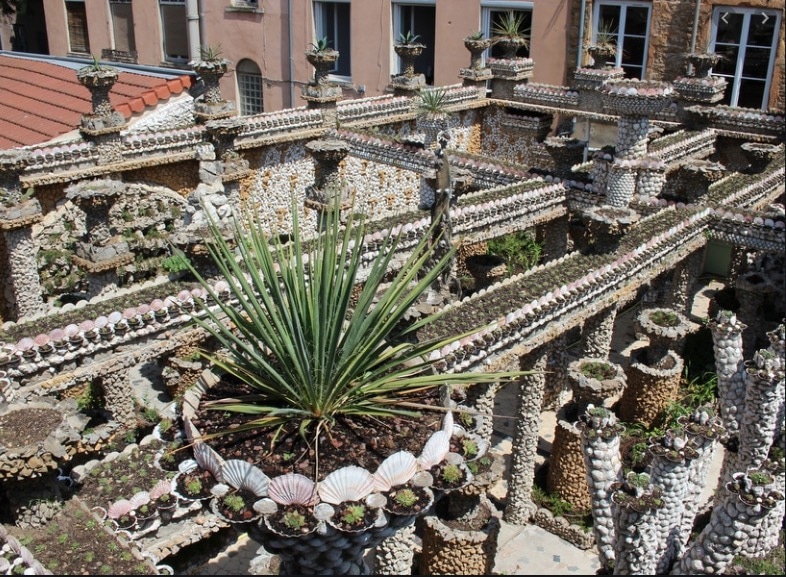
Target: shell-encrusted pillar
(703, 429)
(480, 397)
(651, 178)
(649, 390)
(749, 498)
(223, 133)
(508, 72)
(101, 250)
(751, 290)
(764, 380)
(621, 183)
(600, 441)
(597, 332)
(395, 555)
(767, 536)
(556, 239)
(521, 474)
(637, 502)
(726, 333)
(328, 193)
(670, 470)
(683, 283)
(23, 285)
(697, 176)
(567, 474)
(566, 153)
(118, 396)
(557, 386)
(104, 124)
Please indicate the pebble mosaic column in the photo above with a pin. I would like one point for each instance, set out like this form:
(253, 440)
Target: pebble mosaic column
(521, 475)
(480, 397)
(25, 285)
(597, 333)
(731, 525)
(683, 284)
(567, 474)
(729, 366)
(636, 539)
(751, 289)
(621, 185)
(555, 238)
(600, 441)
(704, 429)
(763, 399)
(670, 471)
(395, 555)
(767, 535)
(557, 389)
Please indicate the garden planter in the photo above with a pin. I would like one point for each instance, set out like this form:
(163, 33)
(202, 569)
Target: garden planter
(649, 390)
(461, 543)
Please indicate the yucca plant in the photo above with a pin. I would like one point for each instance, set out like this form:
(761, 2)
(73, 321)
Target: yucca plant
(314, 347)
(510, 25)
(432, 103)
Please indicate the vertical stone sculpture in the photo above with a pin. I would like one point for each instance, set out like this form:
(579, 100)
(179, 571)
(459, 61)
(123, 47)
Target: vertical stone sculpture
(329, 192)
(637, 504)
(729, 365)
(104, 124)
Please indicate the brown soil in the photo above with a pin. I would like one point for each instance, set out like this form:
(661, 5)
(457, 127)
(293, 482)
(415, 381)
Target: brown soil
(15, 429)
(361, 441)
(75, 543)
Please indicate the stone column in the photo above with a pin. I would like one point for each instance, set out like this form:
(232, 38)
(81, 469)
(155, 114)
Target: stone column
(118, 395)
(223, 133)
(100, 251)
(734, 519)
(23, 293)
(477, 74)
(328, 193)
(556, 238)
(600, 442)
(567, 474)
(764, 383)
(321, 93)
(521, 474)
(703, 429)
(597, 333)
(729, 366)
(557, 386)
(637, 503)
(651, 178)
(672, 455)
(683, 283)
(650, 390)
(211, 105)
(696, 177)
(103, 126)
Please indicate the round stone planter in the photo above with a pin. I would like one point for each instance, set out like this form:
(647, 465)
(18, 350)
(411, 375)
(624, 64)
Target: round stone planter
(463, 543)
(649, 390)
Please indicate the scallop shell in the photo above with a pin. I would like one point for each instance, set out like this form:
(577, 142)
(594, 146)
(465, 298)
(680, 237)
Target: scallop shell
(447, 422)
(435, 449)
(140, 498)
(120, 508)
(245, 476)
(397, 469)
(351, 483)
(163, 487)
(293, 489)
(208, 459)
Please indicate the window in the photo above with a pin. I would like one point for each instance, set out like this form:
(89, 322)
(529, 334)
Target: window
(491, 15)
(174, 31)
(249, 84)
(746, 38)
(420, 19)
(123, 25)
(630, 23)
(331, 21)
(78, 40)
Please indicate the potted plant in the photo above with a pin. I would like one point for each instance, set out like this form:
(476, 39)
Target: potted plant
(165, 500)
(477, 44)
(346, 361)
(603, 48)
(408, 48)
(510, 35)
(323, 58)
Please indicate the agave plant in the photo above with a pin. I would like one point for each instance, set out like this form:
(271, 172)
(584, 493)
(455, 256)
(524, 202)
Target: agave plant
(510, 26)
(298, 332)
(432, 103)
(408, 38)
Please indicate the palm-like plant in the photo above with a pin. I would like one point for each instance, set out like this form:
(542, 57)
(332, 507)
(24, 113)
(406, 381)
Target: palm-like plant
(432, 103)
(295, 330)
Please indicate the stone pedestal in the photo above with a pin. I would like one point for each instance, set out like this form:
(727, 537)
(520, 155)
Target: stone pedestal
(210, 105)
(507, 74)
(606, 225)
(103, 126)
(407, 82)
(477, 74)
(328, 192)
(223, 133)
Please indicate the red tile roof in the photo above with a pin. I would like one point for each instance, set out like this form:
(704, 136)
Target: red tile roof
(42, 99)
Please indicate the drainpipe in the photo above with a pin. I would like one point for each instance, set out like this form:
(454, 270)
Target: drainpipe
(194, 28)
(291, 57)
(695, 26)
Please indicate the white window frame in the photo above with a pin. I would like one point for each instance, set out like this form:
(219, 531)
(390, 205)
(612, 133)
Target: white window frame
(243, 96)
(167, 58)
(489, 6)
(319, 26)
(398, 28)
(747, 13)
(624, 4)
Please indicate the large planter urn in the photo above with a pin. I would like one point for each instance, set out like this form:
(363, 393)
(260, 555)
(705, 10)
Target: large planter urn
(603, 55)
(408, 54)
(476, 47)
(321, 88)
(702, 62)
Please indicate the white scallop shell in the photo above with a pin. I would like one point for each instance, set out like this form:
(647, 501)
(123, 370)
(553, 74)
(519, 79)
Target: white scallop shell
(293, 489)
(447, 423)
(208, 459)
(350, 483)
(140, 498)
(163, 487)
(119, 508)
(435, 449)
(245, 476)
(397, 469)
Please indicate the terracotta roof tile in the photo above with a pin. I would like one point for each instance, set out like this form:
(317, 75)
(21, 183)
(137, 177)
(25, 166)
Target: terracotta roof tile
(41, 99)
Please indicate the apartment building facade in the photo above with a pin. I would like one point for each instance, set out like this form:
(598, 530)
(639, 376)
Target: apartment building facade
(265, 40)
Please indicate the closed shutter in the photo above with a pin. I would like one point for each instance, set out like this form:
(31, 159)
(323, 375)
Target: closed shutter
(77, 27)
